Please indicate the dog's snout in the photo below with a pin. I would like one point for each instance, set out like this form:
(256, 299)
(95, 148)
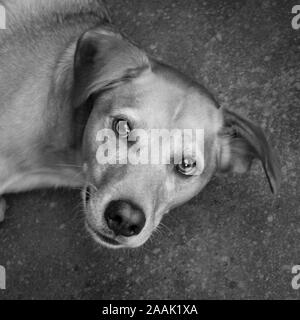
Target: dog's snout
(124, 218)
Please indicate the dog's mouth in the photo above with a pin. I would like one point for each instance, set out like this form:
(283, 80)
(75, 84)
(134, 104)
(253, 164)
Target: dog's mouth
(101, 237)
(98, 236)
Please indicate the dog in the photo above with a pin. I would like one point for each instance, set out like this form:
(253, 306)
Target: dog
(67, 74)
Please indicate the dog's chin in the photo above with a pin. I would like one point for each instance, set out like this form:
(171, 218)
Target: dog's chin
(108, 242)
(102, 239)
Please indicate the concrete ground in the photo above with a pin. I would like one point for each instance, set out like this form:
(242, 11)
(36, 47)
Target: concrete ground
(235, 240)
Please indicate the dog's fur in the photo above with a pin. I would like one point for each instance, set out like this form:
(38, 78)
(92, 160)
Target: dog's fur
(65, 73)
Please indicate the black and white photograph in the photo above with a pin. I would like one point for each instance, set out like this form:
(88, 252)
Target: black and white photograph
(149, 151)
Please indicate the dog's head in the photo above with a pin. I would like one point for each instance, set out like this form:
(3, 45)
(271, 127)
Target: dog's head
(124, 91)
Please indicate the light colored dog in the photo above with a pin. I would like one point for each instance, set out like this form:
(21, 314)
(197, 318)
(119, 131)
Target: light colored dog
(65, 74)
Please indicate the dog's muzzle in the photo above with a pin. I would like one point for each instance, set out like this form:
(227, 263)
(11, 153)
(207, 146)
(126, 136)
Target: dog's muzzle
(122, 221)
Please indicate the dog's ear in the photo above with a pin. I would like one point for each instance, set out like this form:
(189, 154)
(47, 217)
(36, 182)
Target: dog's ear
(240, 142)
(103, 60)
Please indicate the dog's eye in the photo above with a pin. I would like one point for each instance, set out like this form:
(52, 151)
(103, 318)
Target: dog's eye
(187, 167)
(122, 128)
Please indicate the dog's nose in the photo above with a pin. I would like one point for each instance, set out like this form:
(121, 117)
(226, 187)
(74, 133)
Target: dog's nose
(124, 218)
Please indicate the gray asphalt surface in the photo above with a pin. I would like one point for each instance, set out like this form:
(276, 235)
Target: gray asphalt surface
(235, 240)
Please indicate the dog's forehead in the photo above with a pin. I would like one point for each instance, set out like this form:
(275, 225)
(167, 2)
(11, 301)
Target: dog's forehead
(166, 103)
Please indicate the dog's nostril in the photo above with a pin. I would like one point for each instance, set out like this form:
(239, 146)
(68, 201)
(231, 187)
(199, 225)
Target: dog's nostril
(133, 229)
(124, 218)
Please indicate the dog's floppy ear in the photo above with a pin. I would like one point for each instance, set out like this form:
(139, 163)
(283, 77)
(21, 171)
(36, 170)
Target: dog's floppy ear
(240, 142)
(102, 60)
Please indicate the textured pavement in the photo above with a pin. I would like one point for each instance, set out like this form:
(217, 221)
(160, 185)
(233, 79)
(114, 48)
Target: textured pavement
(235, 240)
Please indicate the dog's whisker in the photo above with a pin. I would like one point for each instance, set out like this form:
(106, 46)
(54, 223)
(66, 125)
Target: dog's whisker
(68, 166)
(93, 186)
(78, 209)
(163, 226)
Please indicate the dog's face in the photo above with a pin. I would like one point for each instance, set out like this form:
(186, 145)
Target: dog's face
(129, 92)
(145, 192)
